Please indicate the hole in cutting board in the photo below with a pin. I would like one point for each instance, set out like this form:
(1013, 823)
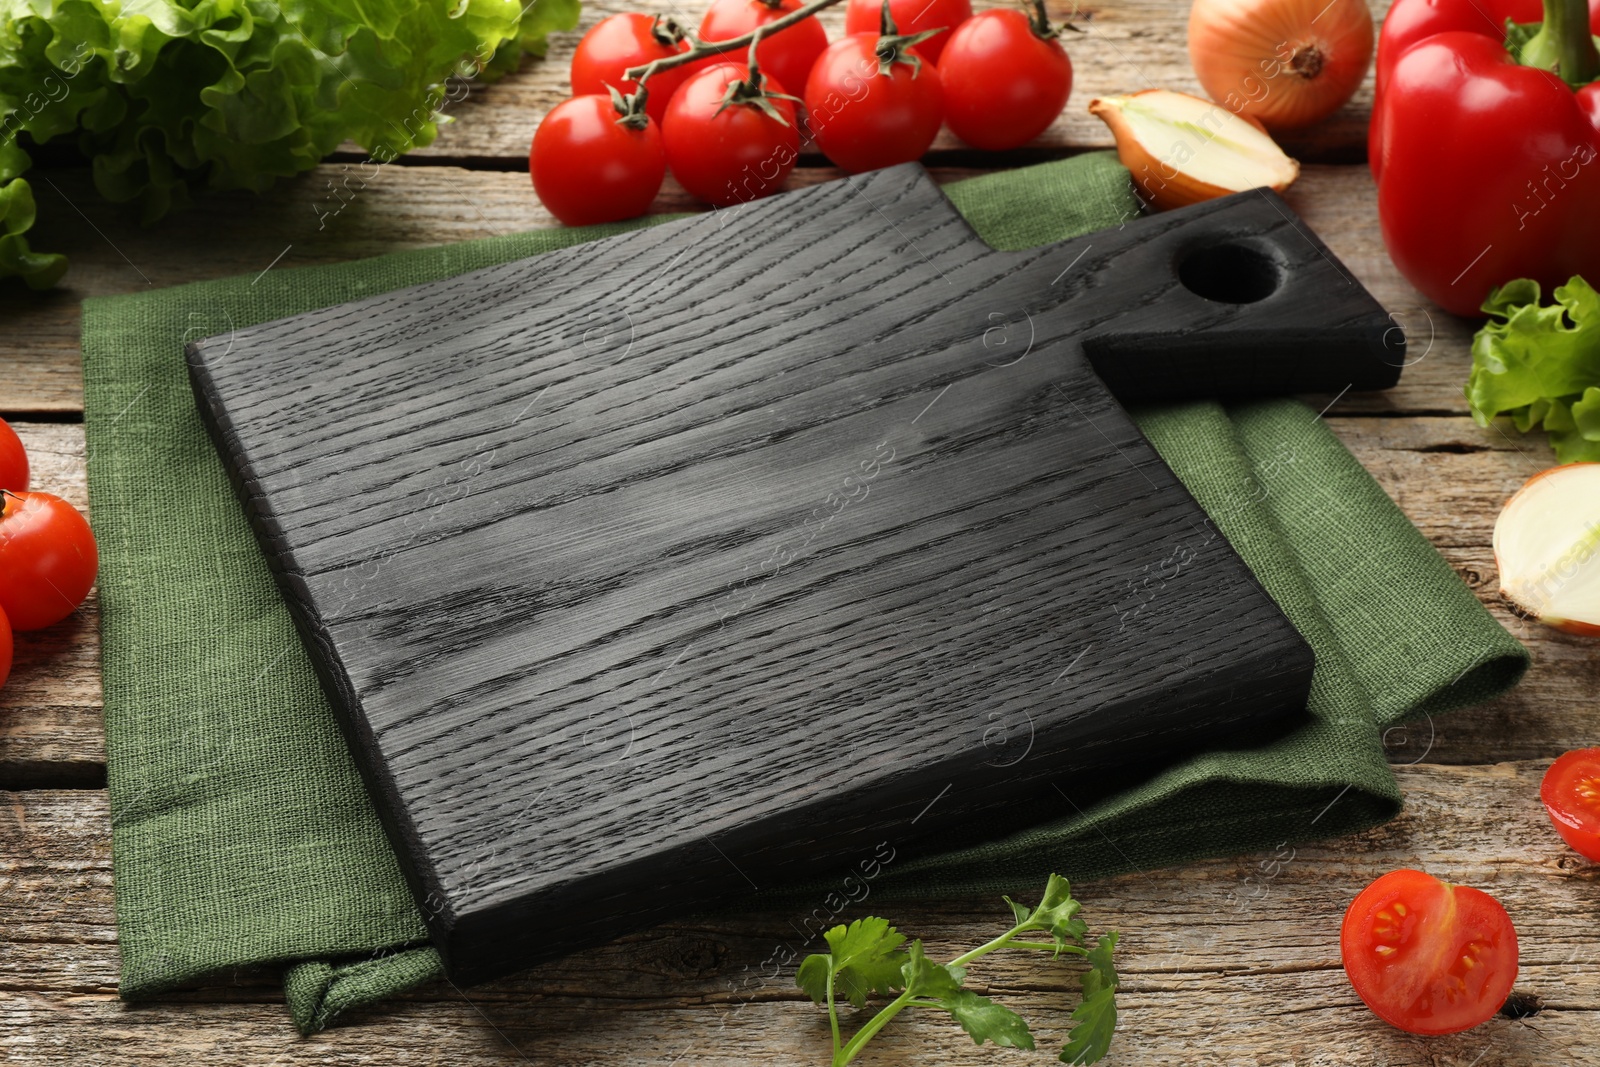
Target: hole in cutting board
(1229, 274)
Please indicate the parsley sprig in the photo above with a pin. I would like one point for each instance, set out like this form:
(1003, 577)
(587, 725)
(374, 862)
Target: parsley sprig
(866, 958)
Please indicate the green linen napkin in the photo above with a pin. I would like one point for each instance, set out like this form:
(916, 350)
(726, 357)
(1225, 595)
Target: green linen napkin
(241, 833)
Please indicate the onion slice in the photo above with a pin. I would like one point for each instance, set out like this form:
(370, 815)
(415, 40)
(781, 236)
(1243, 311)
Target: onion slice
(1182, 149)
(1547, 547)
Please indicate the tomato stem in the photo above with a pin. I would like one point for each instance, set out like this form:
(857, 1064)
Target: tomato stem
(752, 90)
(666, 31)
(1040, 21)
(630, 108)
(895, 47)
(702, 49)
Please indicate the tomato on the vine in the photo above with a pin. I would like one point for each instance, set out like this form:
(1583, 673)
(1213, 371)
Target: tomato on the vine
(1571, 795)
(730, 149)
(870, 105)
(47, 559)
(620, 42)
(1428, 956)
(592, 162)
(1005, 78)
(910, 17)
(786, 55)
(13, 460)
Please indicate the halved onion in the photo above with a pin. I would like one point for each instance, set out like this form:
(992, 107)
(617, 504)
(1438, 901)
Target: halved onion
(1547, 546)
(1182, 149)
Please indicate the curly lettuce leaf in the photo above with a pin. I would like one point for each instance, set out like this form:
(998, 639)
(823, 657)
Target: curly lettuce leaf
(40, 270)
(164, 96)
(1540, 365)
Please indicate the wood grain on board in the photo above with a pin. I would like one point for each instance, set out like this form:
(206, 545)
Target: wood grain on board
(649, 472)
(1448, 475)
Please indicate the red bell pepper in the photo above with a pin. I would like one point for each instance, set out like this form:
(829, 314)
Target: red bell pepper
(1488, 163)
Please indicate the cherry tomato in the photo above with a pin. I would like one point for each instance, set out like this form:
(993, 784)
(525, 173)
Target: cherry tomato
(5, 648)
(13, 460)
(787, 56)
(863, 119)
(617, 43)
(588, 166)
(47, 559)
(729, 155)
(1428, 956)
(910, 16)
(1003, 83)
(1571, 795)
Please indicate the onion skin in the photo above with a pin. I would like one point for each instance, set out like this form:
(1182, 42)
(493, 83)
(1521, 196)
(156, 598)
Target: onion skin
(1571, 626)
(1289, 63)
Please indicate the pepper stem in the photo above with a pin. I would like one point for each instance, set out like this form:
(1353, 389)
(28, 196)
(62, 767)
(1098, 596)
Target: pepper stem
(1563, 43)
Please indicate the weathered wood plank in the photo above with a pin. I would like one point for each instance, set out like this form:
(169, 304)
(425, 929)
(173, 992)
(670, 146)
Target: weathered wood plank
(1127, 45)
(341, 212)
(1238, 957)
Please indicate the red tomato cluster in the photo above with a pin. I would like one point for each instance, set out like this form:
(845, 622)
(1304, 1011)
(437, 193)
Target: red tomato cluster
(731, 132)
(47, 553)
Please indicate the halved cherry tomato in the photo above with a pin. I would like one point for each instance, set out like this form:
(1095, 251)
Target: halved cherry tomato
(910, 16)
(5, 648)
(47, 559)
(13, 460)
(1571, 795)
(787, 55)
(1428, 956)
(615, 44)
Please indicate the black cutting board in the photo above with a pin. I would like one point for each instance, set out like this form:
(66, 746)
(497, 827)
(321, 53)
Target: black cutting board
(717, 554)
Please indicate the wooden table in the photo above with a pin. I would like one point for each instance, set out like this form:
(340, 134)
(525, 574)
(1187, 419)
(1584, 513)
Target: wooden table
(1230, 962)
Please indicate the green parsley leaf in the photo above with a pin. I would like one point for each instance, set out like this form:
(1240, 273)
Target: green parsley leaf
(863, 959)
(1056, 914)
(1096, 1018)
(812, 977)
(925, 978)
(866, 957)
(987, 1021)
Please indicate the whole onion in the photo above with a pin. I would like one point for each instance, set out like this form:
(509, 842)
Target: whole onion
(1288, 63)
